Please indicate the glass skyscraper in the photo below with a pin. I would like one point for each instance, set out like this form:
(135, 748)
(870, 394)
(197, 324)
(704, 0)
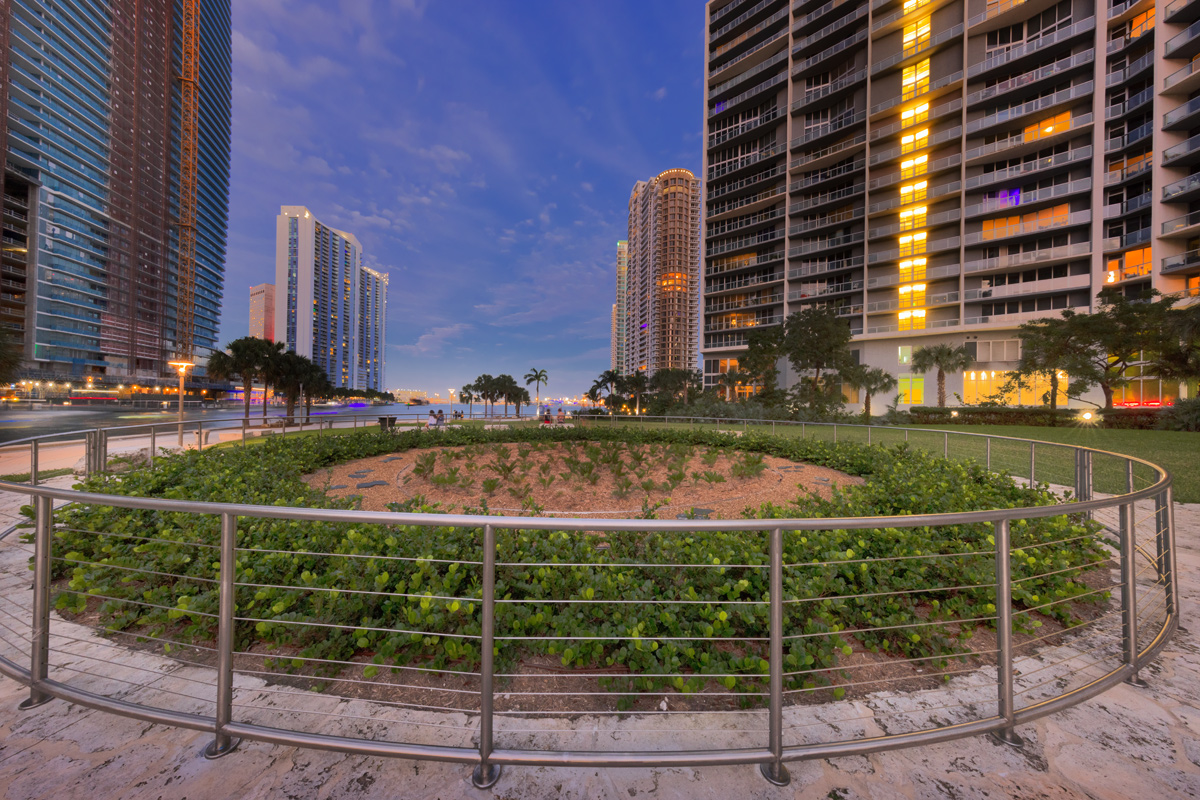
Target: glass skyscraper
(90, 184)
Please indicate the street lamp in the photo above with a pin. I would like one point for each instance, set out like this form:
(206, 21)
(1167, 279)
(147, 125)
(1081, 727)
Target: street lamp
(182, 367)
(451, 403)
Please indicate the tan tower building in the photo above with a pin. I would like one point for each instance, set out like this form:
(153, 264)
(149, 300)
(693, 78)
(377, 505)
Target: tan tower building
(662, 280)
(941, 171)
(262, 311)
(618, 309)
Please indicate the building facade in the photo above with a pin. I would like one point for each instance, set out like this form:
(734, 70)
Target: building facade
(334, 309)
(662, 276)
(262, 311)
(941, 171)
(90, 133)
(618, 309)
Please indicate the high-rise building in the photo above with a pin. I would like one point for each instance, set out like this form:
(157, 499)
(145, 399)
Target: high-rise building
(262, 311)
(662, 277)
(90, 131)
(334, 310)
(941, 171)
(618, 309)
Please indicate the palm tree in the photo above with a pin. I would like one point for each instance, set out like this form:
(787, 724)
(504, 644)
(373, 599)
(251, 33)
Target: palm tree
(870, 381)
(506, 390)
(290, 372)
(608, 381)
(485, 390)
(467, 395)
(521, 396)
(537, 376)
(244, 357)
(945, 359)
(316, 384)
(269, 370)
(636, 384)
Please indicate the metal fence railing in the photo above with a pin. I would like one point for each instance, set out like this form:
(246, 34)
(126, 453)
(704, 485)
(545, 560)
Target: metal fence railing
(771, 692)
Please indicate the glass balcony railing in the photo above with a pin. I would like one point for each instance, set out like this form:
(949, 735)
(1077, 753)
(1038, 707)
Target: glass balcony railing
(936, 273)
(1181, 223)
(1040, 256)
(1119, 76)
(826, 197)
(1180, 151)
(934, 41)
(1020, 51)
(1059, 159)
(1018, 199)
(1177, 45)
(1173, 190)
(1031, 106)
(807, 268)
(994, 10)
(1033, 76)
(1181, 262)
(1182, 112)
(1036, 135)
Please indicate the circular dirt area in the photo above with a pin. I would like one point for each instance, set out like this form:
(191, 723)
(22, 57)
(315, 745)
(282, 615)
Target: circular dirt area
(606, 479)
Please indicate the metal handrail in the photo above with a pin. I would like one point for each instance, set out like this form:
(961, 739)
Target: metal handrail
(486, 758)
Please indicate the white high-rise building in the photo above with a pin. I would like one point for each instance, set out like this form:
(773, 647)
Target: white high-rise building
(334, 309)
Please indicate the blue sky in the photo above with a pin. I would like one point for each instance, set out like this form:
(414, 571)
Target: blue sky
(481, 151)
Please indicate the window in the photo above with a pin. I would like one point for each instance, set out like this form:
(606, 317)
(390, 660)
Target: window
(1141, 24)
(912, 296)
(913, 192)
(1193, 286)
(914, 141)
(905, 354)
(1033, 221)
(915, 80)
(1004, 39)
(913, 167)
(912, 269)
(912, 389)
(913, 5)
(911, 116)
(913, 218)
(912, 320)
(1056, 124)
(916, 36)
(1131, 264)
(912, 244)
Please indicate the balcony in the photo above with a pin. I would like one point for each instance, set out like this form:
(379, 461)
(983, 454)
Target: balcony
(825, 244)
(1184, 117)
(734, 284)
(1017, 319)
(746, 127)
(729, 226)
(1136, 238)
(934, 87)
(1184, 45)
(729, 245)
(833, 126)
(1033, 77)
(1130, 206)
(938, 245)
(826, 33)
(754, 71)
(954, 134)
(944, 299)
(1183, 191)
(1031, 227)
(1119, 76)
(825, 291)
(830, 89)
(1135, 103)
(1182, 227)
(1030, 167)
(722, 189)
(1184, 154)
(821, 59)
(809, 268)
(896, 202)
(732, 325)
(941, 218)
(748, 302)
(911, 52)
(834, 152)
(948, 271)
(716, 210)
(1136, 170)
(824, 222)
(933, 167)
(1031, 107)
(714, 72)
(1019, 52)
(1025, 199)
(994, 11)
(1043, 257)
(740, 19)
(730, 265)
(1135, 136)
(1182, 11)
(727, 167)
(825, 198)
(734, 102)
(1184, 262)
(1027, 141)
(935, 113)
(826, 175)
(814, 15)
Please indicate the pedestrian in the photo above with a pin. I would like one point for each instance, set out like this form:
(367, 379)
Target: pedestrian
(441, 418)
(432, 421)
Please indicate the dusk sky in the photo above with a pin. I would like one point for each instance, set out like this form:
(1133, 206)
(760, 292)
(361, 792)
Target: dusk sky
(482, 152)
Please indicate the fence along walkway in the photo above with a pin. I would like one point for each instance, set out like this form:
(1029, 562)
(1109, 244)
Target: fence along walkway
(475, 723)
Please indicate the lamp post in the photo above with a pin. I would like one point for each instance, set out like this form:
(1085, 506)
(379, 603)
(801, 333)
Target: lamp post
(451, 402)
(182, 367)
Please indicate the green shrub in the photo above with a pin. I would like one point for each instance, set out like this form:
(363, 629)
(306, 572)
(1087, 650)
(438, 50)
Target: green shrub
(1183, 416)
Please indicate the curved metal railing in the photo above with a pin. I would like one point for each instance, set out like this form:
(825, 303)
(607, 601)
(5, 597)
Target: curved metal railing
(484, 717)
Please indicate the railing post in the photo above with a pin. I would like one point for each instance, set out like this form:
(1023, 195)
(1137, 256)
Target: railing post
(1173, 587)
(33, 462)
(223, 744)
(89, 452)
(39, 643)
(946, 445)
(1004, 644)
(1032, 464)
(868, 434)
(774, 771)
(835, 433)
(199, 435)
(988, 457)
(485, 773)
(1129, 627)
(244, 421)
(1083, 475)
(102, 451)
(1162, 540)
(153, 432)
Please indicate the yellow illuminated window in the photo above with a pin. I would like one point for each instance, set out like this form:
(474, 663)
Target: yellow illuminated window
(913, 167)
(918, 113)
(1035, 220)
(1056, 124)
(913, 5)
(913, 218)
(912, 269)
(912, 296)
(913, 192)
(912, 389)
(1141, 23)
(914, 141)
(916, 36)
(915, 80)
(912, 244)
(1129, 265)
(913, 320)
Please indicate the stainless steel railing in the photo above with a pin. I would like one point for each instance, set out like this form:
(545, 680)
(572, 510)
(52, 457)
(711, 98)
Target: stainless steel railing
(481, 722)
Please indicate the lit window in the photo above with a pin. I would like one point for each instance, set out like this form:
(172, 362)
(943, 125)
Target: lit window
(913, 192)
(1056, 124)
(913, 5)
(918, 113)
(915, 80)
(914, 141)
(916, 36)
(912, 269)
(912, 389)
(912, 244)
(913, 167)
(912, 218)
(912, 296)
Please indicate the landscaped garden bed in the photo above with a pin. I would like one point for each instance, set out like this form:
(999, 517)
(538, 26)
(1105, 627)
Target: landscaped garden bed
(894, 603)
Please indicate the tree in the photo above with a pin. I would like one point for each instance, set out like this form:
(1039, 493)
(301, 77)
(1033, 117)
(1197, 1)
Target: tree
(10, 358)
(1177, 355)
(506, 389)
(759, 363)
(816, 343)
(269, 372)
(485, 390)
(869, 381)
(316, 384)
(671, 383)
(537, 376)
(247, 358)
(521, 396)
(608, 381)
(730, 380)
(593, 393)
(467, 395)
(290, 371)
(945, 359)
(637, 385)
(1048, 350)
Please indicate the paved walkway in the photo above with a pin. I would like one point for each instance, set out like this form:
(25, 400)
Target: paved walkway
(1127, 743)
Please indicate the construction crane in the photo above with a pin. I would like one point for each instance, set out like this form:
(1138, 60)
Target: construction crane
(189, 123)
